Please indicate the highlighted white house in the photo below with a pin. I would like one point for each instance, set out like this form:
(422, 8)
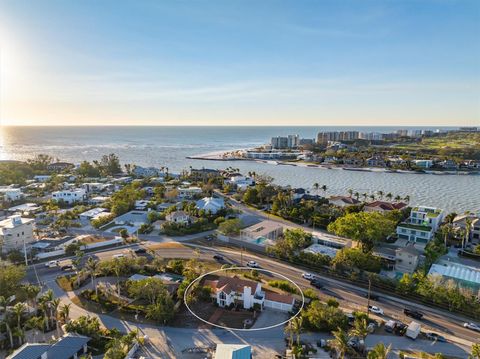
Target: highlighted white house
(230, 291)
(421, 225)
(70, 196)
(210, 204)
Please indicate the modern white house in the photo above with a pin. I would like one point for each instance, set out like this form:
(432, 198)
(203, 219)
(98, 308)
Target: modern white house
(262, 231)
(11, 194)
(141, 204)
(406, 259)
(242, 182)
(229, 291)
(93, 213)
(189, 192)
(210, 204)
(421, 225)
(16, 232)
(179, 217)
(70, 196)
(460, 222)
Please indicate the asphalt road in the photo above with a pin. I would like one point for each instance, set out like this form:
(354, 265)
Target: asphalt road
(350, 297)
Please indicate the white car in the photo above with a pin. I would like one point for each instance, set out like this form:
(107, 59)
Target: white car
(472, 326)
(375, 309)
(52, 264)
(119, 255)
(252, 264)
(308, 276)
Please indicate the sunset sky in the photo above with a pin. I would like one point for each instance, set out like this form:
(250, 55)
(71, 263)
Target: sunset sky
(239, 62)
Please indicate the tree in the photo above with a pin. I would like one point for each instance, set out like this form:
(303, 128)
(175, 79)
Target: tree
(123, 233)
(3, 309)
(365, 227)
(475, 353)
(149, 288)
(251, 196)
(340, 343)
(10, 278)
(321, 317)
(19, 311)
(324, 189)
(379, 351)
(162, 311)
(64, 313)
(109, 165)
(230, 226)
(360, 328)
(92, 267)
(86, 169)
(348, 259)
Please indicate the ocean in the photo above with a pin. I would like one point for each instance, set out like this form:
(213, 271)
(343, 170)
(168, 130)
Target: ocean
(169, 147)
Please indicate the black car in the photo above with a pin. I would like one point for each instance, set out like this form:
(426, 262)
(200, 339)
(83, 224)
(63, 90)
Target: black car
(435, 337)
(316, 283)
(218, 257)
(413, 313)
(400, 329)
(66, 267)
(140, 250)
(372, 296)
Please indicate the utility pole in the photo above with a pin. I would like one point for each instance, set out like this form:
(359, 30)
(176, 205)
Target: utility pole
(368, 297)
(241, 256)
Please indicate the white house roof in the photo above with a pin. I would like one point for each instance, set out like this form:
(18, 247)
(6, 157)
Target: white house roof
(211, 204)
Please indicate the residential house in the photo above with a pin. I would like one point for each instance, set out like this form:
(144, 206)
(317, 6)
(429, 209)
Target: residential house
(96, 187)
(70, 346)
(93, 213)
(421, 225)
(375, 161)
(179, 217)
(241, 182)
(25, 209)
(147, 171)
(60, 166)
(262, 231)
(210, 204)
(230, 291)
(189, 192)
(16, 232)
(425, 164)
(448, 165)
(42, 178)
(383, 207)
(70, 196)
(11, 194)
(134, 218)
(141, 204)
(406, 259)
(97, 200)
(298, 194)
(202, 174)
(460, 221)
(343, 201)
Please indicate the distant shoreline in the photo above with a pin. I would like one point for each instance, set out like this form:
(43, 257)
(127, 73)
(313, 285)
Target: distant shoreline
(219, 156)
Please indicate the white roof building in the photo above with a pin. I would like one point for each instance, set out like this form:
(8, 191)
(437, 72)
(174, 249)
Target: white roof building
(211, 204)
(463, 275)
(16, 232)
(11, 194)
(70, 196)
(93, 214)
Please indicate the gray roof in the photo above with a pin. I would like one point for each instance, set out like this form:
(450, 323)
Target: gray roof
(64, 348)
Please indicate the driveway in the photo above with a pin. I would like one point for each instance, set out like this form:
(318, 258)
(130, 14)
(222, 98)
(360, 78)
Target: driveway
(269, 317)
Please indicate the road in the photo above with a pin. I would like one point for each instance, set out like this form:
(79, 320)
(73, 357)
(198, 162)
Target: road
(350, 297)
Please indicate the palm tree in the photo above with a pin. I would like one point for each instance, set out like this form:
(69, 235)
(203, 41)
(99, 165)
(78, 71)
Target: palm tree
(398, 198)
(357, 195)
(316, 186)
(372, 197)
(32, 293)
(381, 194)
(92, 266)
(475, 354)
(350, 192)
(117, 269)
(379, 351)
(407, 198)
(289, 330)
(468, 228)
(297, 324)
(44, 304)
(340, 343)
(54, 313)
(324, 189)
(35, 323)
(360, 328)
(3, 309)
(19, 310)
(447, 231)
(64, 313)
(389, 196)
(365, 196)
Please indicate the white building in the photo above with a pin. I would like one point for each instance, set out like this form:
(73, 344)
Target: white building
(179, 217)
(188, 193)
(93, 213)
(210, 204)
(423, 163)
(42, 178)
(141, 204)
(230, 291)
(98, 200)
(70, 196)
(265, 230)
(16, 233)
(241, 182)
(11, 194)
(134, 218)
(421, 225)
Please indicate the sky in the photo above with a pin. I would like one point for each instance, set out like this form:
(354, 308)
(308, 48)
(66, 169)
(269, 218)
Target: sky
(279, 62)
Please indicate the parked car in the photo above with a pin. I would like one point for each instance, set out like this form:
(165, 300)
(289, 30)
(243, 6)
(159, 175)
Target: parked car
(140, 250)
(252, 264)
(390, 326)
(66, 267)
(400, 329)
(435, 337)
(413, 313)
(52, 264)
(119, 255)
(472, 326)
(316, 283)
(218, 257)
(308, 276)
(375, 309)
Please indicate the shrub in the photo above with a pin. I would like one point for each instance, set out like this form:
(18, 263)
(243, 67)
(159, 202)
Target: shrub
(283, 285)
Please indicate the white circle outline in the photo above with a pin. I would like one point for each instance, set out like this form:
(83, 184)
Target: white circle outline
(240, 329)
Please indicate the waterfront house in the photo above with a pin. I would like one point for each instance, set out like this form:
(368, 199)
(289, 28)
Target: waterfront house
(70, 346)
(375, 161)
(383, 207)
(229, 291)
(425, 164)
(60, 166)
(241, 182)
(139, 171)
(179, 217)
(421, 225)
(70, 196)
(210, 204)
(16, 232)
(460, 222)
(448, 165)
(262, 231)
(343, 201)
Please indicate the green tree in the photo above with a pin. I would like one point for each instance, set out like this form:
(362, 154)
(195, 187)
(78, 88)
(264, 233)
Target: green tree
(340, 343)
(230, 227)
(10, 278)
(365, 227)
(379, 351)
(162, 311)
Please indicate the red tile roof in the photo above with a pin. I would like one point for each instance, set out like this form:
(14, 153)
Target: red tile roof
(277, 297)
(386, 206)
